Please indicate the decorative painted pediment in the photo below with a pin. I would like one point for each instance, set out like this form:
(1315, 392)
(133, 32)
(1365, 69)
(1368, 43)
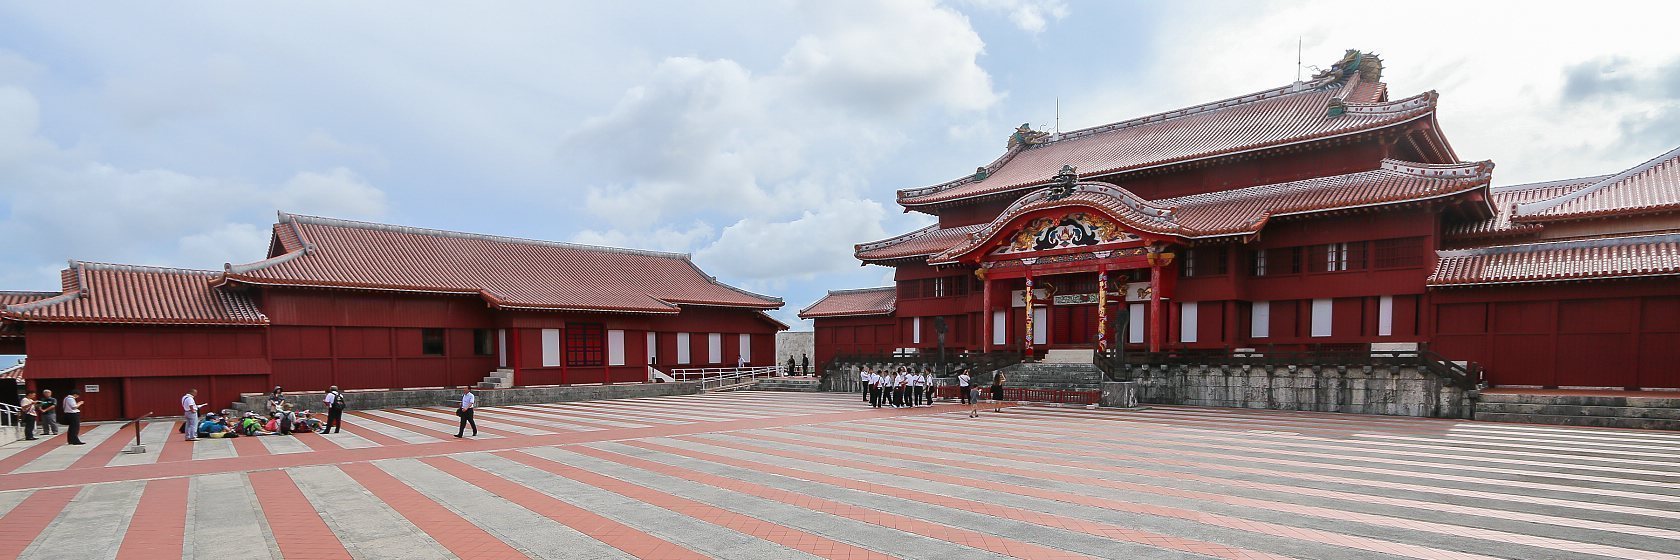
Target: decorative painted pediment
(1067, 231)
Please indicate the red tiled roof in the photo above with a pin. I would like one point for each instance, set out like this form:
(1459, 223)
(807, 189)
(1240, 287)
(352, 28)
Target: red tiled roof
(1584, 259)
(1505, 200)
(1270, 118)
(14, 298)
(920, 243)
(842, 303)
(1653, 186)
(507, 272)
(1245, 211)
(13, 372)
(112, 293)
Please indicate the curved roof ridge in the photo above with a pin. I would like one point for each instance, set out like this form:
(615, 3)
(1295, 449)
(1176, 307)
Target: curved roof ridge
(230, 268)
(37, 304)
(1334, 78)
(1543, 205)
(341, 222)
(1612, 241)
(89, 265)
(894, 240)
(714, 280)
(862, 290)
(1547, 184)
(1459, 169)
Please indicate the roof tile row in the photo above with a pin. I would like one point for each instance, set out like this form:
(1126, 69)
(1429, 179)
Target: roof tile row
(843, 303)
(1588, 259)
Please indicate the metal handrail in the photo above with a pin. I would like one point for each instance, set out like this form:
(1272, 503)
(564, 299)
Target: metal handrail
(11, 416)
(711, 378)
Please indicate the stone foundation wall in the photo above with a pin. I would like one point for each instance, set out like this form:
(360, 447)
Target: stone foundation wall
(1398, 391)
(373, 400)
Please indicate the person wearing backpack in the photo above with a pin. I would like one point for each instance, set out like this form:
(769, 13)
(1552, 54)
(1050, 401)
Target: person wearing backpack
(335, 410)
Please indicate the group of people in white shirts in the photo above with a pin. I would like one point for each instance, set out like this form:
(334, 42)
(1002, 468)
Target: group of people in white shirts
(902, 388)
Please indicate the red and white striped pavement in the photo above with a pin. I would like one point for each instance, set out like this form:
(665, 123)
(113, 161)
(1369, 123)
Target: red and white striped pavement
(800, 475)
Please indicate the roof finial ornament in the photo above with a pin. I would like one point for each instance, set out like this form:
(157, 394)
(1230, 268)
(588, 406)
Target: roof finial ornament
(1024, 134)
(980, 173)
(1064, 181)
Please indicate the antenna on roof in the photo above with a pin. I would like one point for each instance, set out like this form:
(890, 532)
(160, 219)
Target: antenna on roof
(1297, 59)
(1058, 114)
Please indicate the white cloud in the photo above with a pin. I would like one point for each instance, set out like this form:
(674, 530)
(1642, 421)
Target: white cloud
(60, 204)
(818, 242)
(660, 239)
(1032, 16)
(1501, 85)
(339, 193)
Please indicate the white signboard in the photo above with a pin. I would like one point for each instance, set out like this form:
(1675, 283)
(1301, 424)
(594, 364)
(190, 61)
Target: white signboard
(1020, 297)
(90, 388)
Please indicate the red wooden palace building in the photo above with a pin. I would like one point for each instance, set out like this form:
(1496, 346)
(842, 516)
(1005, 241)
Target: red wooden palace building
(1317, 213)
(370, 306)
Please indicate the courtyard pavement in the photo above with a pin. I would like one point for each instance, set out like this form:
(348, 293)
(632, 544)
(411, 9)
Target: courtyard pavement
(800, 475)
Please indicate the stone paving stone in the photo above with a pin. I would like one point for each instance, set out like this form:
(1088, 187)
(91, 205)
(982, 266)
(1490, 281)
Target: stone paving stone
(348, 440)
(158, 528)
(530, 533)
(695, 534)
(9, 500)
(900, 500)
(883, 539)
(225, 520)
(91, 527)
(295, 531)
(213, 448)
(280, 445)
(26, 521)
(368, 527)
(355, 419)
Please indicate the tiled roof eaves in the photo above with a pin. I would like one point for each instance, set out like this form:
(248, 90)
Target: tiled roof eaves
(1459, 258)
(374, 226)
(770, 301)
(1427, 109)
(1545, 210)
(806, 313)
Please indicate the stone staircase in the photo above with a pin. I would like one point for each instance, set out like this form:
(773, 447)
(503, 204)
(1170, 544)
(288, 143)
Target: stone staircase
(1043, 375)
(796, 384)
(1659, 411)
(499, 379)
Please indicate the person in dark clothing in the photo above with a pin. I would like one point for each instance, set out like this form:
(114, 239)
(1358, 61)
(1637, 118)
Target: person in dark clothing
(26, 409)
(790, 366)
(805, 364)
(335, 410)
(72, 413)
(46, 413)
(469, 402)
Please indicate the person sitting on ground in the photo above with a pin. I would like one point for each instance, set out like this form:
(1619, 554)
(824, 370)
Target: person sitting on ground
(215, 426)
(306, 422)
(250, 425)
(273, 424)
(276, 400)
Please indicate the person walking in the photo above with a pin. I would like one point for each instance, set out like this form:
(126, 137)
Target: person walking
(335, 411)
(73, 417)
(46, 413)
(189, 410)
(997, 392)
(805, 364)
(469, 402)
(971, 394)
(963, 384)
(29, 414)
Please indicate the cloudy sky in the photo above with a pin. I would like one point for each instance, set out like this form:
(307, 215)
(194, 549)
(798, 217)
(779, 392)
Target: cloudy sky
(764, 137)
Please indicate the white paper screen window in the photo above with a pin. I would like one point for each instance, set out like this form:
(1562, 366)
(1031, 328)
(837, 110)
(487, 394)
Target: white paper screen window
(682, 348)
(1187, 321)
(1322, 313)
(1385, 316)
(1041, 325)
(1134, 330)
(746, 347)
(916, 330)
(501, 348)
(1260, 322)
(1000, 327)
(653, 347)
(551, 347)
(615, 348)
(714, 348)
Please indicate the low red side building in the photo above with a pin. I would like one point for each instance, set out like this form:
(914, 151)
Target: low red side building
(373, 306)
(1320, 213)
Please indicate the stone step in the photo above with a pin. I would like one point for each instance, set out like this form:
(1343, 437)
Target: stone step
(1577, 410)
(1591, 421)
(1656, 400)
